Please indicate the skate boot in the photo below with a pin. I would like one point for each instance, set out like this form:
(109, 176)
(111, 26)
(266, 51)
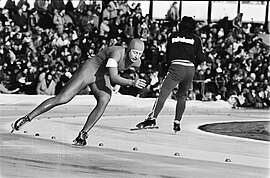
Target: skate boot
(19, 123)
(176, 126)
(81, 139)
(146, 123)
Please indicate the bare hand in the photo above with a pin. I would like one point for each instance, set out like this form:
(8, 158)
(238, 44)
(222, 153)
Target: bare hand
(140, 83)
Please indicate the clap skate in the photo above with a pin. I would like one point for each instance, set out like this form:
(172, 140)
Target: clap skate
(19, 123)
(176, 126)
(81, 139)
(146, 124)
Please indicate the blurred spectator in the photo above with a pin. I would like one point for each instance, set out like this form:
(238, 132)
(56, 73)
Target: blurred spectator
(138, 9)
(173, 16)
(104, 29)
(5, 17)
(46, 19)
(5, 90)
(129, 30)
(113, 7)
(57, 4)
(255, 50)
(115, 29)
(61, 40)
(106, 13)
(69, 7)
(143, 30)
(259, 29)
(20, 19)
(87, 22)
(96, 19)
(237, 24)
(81, 7)
(22, 3)
(47, 85)
(123, 7)
(246, 29)
(11, 7)
(59, 20)
(33, 19)
(40, 5)
(225, 24)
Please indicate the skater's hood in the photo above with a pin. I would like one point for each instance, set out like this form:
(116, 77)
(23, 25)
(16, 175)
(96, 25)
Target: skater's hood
(187, 23)
(136, 44)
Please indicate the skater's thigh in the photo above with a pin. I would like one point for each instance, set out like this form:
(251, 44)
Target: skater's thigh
(168, 85)
(185, 84)
(101, 88)
(76, 83)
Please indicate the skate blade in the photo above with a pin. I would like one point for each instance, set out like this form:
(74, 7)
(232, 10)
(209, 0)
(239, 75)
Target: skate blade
(175, 131)
(12, 128)
(77, 144)
(144, 128)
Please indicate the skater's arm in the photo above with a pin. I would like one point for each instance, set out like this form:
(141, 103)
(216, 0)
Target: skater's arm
(117, 79)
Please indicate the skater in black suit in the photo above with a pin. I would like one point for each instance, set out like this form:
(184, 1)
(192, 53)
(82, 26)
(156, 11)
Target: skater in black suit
(184, 51)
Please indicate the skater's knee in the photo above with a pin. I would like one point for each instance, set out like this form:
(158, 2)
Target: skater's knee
(181, 97)
(104, 100)
(62, 99)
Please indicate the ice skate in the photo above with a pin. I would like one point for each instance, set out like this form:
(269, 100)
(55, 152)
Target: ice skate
(146, 123)
(150, 121)
(81, 139)
(19, 123)
(176, 126)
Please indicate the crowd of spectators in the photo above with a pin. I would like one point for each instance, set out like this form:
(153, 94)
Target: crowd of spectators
(41, 48)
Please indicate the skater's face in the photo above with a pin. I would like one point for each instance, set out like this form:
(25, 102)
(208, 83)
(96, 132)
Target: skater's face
(135, 55)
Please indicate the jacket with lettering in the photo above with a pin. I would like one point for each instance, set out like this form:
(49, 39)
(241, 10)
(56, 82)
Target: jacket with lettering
(185, 45)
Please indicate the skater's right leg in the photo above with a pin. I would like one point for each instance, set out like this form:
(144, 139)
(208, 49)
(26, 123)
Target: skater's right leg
(102, 92)
(167, 87)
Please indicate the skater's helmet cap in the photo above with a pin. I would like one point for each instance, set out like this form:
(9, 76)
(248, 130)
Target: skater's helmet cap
(136, 44)
(187, 23)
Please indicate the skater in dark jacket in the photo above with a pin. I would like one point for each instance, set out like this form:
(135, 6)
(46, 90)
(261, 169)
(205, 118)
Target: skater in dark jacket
(97, 72)
(184, 51)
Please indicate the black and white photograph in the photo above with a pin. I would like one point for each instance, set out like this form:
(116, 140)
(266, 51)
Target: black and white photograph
(134, 89)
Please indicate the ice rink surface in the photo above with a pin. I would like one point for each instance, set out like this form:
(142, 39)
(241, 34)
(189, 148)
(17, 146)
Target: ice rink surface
(115, 151)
